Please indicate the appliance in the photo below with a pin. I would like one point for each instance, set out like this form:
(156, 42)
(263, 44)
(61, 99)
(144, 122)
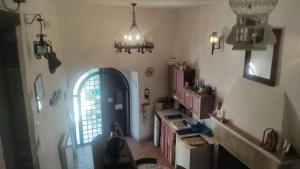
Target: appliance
(134, 39)
(193, 152)
(156, 136)
(66, 151)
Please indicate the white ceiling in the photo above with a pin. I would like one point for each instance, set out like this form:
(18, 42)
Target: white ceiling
(144, 3)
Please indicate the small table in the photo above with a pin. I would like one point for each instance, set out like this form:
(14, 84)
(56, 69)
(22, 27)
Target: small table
(152, 166)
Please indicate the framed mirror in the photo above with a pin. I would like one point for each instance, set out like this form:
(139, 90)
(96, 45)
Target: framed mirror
(261, 65)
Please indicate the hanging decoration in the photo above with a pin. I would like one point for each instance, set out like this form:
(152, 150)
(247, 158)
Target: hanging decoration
(42, 47)
(252, 31)
(134, 39)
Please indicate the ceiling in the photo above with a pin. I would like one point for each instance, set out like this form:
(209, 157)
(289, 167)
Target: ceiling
(145, 3)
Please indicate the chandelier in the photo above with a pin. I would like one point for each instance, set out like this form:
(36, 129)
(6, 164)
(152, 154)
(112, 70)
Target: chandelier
(252, 31)
(134, 39)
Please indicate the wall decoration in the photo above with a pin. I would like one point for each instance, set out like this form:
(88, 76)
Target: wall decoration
(56, 97)
(149, 71)
(252, 31)
(261, 66)
(39, 92)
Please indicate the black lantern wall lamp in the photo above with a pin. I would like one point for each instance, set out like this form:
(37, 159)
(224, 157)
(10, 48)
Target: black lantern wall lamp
(215, 41)
(42, 47)
(134, 39)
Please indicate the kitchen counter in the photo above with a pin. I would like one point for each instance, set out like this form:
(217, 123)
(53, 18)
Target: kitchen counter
(163, 113)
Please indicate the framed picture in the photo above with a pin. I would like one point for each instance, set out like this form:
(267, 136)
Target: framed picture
(39, 92)
(261, 66)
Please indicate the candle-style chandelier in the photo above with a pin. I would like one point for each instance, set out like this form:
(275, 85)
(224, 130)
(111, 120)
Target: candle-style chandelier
(252, 31)
(134, 39)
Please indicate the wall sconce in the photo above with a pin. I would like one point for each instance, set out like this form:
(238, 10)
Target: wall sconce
(215, 41)
(41, 47)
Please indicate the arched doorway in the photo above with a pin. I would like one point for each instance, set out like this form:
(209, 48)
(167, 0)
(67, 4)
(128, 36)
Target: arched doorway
(100, 97)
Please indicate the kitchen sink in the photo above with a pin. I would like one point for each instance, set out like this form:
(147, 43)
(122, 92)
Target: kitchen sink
(174, 117)
(179, 124)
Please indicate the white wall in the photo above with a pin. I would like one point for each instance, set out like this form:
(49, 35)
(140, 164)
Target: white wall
(132, 79)
(135, 108)
(87, 34)
(53, 120)
(225, 67)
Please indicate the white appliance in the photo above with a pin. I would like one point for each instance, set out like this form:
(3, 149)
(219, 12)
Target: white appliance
(156, 130)
(192, 157)
(66, 151)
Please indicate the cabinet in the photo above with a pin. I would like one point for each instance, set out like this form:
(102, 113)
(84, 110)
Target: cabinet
(188, 99)
(167, 141)
(177, 78)
(172, 80)
(199, 105)
(191, 157)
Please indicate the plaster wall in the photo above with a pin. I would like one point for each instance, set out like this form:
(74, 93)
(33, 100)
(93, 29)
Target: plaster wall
(87, 34)
(224, 69)
(47, 127)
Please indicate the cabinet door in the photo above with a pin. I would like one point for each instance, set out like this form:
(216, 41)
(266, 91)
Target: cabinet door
(172, 80)
(188, 99)
(196, 105)
(179, 85)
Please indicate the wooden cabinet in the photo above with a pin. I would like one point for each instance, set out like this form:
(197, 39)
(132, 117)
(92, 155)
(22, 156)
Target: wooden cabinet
(167, 141)
(172, 80)
(177, 78)
(200, 105)
(179, 85)
(196, 105)
(188, 99)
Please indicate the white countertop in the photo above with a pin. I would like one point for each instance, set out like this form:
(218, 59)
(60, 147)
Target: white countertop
(163, 113)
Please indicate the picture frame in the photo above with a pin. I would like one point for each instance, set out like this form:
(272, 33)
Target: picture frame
(265, 62)
(39, 92)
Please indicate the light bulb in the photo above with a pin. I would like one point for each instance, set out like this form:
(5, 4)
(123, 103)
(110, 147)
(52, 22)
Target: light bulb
(125, 37)
(138, 37)
(129, 37)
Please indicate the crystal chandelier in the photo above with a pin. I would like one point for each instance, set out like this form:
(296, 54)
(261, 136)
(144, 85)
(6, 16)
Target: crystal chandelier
(252, 31)
(134, 39)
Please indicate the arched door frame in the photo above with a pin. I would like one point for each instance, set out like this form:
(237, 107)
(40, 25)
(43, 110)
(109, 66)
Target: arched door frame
(114, 72)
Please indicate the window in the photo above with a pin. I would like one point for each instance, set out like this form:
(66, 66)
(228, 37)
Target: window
(87, 106)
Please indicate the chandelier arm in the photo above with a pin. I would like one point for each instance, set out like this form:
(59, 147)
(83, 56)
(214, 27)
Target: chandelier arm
(133, 14)
(36, 17)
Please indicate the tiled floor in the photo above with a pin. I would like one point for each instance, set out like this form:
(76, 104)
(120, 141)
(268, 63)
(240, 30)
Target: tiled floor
(139, 150)
(144, 149)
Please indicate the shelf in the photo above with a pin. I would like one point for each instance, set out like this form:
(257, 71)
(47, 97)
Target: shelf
(255, 143)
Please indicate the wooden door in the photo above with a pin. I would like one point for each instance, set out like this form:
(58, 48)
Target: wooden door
(196, 105)
(179, 85)
(115, 100)
(172, 80)
(188, 100)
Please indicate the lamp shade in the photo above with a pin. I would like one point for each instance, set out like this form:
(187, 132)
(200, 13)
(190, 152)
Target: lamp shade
(53, 62)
